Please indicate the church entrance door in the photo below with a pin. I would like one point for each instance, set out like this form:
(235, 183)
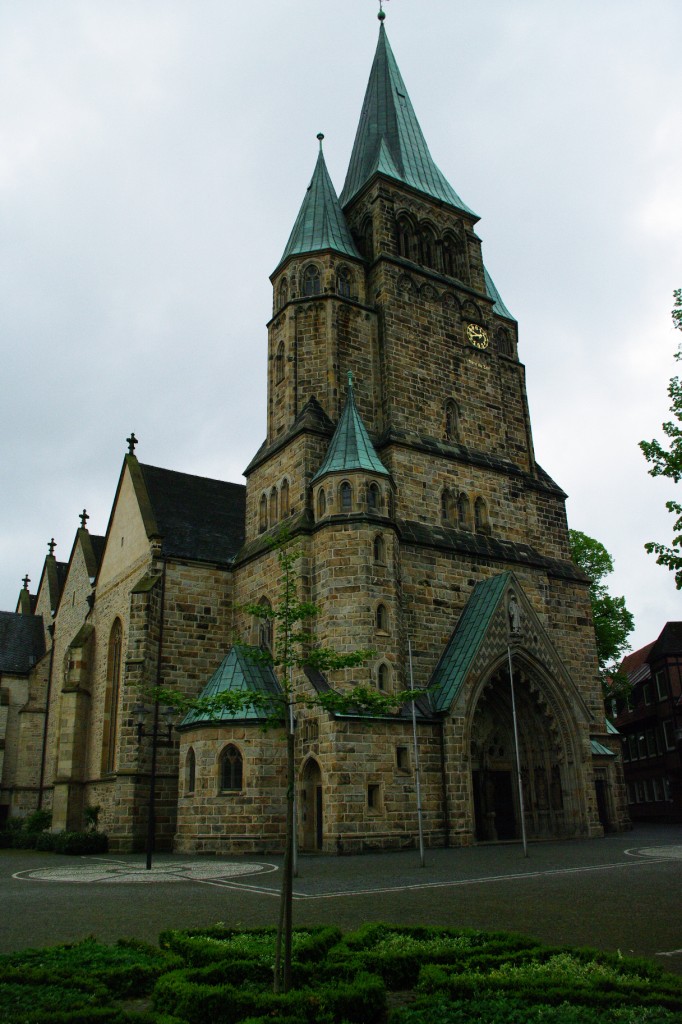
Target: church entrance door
(312, 818)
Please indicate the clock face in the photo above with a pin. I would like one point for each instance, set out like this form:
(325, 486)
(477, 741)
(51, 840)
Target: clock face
(477, 336)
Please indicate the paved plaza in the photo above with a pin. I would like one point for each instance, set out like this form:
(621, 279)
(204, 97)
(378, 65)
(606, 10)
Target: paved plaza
(619, 893)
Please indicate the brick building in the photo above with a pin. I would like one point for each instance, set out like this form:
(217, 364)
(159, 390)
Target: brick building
(399, 454)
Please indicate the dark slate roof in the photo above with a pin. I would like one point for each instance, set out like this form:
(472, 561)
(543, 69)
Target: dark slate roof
(389, 139)
(22, 642)
(320, 223)
(669, 642)
(632, 664)
(498, 305)
(451, 670)
(350, 447)
(238, 673)
(198, 518)
(312, 418)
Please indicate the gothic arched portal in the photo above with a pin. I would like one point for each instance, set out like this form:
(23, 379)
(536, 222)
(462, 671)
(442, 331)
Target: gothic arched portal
(311, 815)
(547, 752)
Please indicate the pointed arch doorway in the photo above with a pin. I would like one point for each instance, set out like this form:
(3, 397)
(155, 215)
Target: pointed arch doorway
(311, 828)
(547, 756)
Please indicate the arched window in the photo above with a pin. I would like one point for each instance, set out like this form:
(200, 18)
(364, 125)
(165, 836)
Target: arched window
(373, 498)
(231, 768)
(190, 771)
(480, 516)
(383, 677)
(343, 282)
(379, 550)
(455, 262)
(449, 256)
(321, 503)
(445, 505)
(279, 363)
(381, 619)
(263, 514)
(112, 695)
(427, 247)
(273, 506)
(265, 625)
(404, 230)
(451, 421)
(504, 342)
(463, 512)
(311, 280)
(283, 294)
(284, 499)
(346, 494)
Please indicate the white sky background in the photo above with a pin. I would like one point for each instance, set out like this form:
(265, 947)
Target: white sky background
(153, 158)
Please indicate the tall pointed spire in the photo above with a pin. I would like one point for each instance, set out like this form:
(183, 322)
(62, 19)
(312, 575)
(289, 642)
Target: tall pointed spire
(320, 223)
(350, 447)
(389, 139)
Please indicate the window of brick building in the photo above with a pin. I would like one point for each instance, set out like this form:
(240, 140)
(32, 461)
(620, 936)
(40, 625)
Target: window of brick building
(231, 769)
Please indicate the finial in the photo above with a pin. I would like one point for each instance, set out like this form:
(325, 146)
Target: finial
(83, 518)
(132, 441)
(320, 137)
(26, 580)
(382, 13)
(52, 544)
(350, 380)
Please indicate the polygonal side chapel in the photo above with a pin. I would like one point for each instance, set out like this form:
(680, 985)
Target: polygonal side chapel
(399, 456)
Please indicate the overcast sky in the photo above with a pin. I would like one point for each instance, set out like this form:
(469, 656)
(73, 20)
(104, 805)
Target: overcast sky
(153, 158)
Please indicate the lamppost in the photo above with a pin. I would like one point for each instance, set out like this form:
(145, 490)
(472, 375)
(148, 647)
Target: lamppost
(140, 712)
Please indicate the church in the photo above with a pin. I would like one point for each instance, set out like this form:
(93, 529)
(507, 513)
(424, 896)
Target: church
(399, 456)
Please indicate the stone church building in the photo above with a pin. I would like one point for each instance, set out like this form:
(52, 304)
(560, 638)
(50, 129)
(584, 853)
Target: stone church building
(399, 455)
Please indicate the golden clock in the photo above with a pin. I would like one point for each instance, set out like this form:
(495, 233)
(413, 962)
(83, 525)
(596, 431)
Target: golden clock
(477, 335)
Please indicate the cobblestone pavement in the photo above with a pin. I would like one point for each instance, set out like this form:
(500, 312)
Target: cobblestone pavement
(620, 893)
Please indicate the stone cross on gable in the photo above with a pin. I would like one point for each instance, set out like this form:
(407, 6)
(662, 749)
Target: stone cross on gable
(51, 545)
(132, 441)
(26, 580)
(83, 518)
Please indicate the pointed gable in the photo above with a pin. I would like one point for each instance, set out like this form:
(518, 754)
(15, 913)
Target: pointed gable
(389, 139)
(320, 223)
(238, 673)
(350, 447)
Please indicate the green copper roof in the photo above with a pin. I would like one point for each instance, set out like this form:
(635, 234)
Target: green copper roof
(599, 749)
(350, 447)
(456, 660)
(498, 305)
(389, 139)
(238, 673)
(320, 223)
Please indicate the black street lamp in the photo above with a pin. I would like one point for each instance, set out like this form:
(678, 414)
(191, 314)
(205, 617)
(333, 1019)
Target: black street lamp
(140, 712)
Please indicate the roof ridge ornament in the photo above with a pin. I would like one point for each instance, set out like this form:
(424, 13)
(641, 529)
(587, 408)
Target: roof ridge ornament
(320, 138)
(382, 13)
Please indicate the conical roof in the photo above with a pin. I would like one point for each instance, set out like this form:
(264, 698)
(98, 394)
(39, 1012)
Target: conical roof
(389, 139)
(350, 447)
(239, 673)
(320, 223)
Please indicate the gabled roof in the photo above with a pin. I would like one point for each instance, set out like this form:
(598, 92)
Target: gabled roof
(350, 447)
(22, 642)
(197, 517)
(320, 223)
(669, 642)
(238, 673)
(469, 633)
(633, 664)
(389, 139)
(498, 305)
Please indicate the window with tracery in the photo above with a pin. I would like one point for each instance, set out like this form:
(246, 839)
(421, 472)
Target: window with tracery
(231, 768)
(311, 280)
(283, 294)
(346, 494)
(427, 247)
(463, 512)
(404, 231)
(451, 421)
(343, 282)
(112, 696)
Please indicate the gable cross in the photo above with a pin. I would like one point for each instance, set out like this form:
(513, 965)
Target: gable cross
(83, 518)
(132, 441)
(26, 580)
(51, 545)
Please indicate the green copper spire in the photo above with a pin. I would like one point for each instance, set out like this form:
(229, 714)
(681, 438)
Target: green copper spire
(350, 446)
(498, 305)
(320, 223)
(389, 140)
(239, 673)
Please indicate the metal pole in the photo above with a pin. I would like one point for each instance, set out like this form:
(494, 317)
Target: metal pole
(518, 759)
(422, 861)
(292, 729)
(151, 817)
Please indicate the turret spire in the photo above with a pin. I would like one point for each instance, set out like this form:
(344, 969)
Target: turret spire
(389, 139)
(350, 447)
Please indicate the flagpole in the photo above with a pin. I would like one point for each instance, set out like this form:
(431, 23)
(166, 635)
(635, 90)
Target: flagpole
(518, 759)
(422, 861)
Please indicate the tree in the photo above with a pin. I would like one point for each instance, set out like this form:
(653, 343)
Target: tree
(294, 649)
(668, 462)
(613, 623)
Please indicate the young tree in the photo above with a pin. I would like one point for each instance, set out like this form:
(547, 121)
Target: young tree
(294, 649)
(612, 621)
(668, 462)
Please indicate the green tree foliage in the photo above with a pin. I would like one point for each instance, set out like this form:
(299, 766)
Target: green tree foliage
(668, 462)
(613, 623)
